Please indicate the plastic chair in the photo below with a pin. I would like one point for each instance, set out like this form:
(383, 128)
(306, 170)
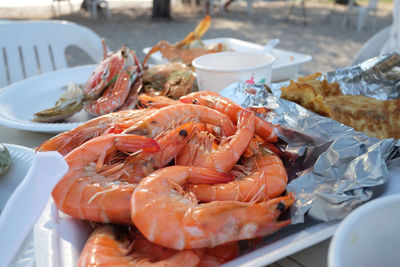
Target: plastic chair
(293, 4)
(362, 13)
(31, 48)
(372, 47)
(58, 11)
(220, 3)
(210, 5)
(92, 8)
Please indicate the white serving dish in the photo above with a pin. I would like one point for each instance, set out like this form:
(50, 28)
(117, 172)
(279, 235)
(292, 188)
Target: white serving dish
(368, 236)
(218, 70)
(59, 239)
(287, 65)
(20, 100)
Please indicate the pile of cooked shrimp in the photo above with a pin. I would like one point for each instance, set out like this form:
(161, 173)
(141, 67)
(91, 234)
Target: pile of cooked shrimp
(177, 182)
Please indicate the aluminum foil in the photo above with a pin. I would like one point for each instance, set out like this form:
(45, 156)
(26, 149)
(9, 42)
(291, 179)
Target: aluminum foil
(377, 77)
(335, 168)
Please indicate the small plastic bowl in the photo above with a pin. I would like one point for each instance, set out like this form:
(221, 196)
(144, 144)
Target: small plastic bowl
(369, 236)
(217, 71)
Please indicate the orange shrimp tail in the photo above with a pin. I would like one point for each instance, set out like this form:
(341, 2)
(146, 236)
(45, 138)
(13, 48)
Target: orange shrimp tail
(67, 141)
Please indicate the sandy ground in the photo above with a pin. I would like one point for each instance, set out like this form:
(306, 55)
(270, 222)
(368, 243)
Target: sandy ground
(330, 45)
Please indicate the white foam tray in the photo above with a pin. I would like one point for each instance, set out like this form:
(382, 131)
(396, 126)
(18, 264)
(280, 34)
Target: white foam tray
(59, 239)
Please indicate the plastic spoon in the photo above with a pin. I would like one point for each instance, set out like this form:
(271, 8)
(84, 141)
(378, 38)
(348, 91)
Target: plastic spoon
(28, 201)
(270, 45)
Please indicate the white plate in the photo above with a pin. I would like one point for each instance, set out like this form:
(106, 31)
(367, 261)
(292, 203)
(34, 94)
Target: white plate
(286, 67)
(59, 239)
(21, 159)
(20, 100)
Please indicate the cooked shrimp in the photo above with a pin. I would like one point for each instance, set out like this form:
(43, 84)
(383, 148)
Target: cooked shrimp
(210, 257)
(166, 216)
(202, 150)
(93, 189)
(111, 245)
(165, 118)
(67, 141)
(155, 101)
(268, 179)
(171, 143)
(230, 108)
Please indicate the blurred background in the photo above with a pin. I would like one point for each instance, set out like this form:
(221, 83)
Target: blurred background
(324, 29)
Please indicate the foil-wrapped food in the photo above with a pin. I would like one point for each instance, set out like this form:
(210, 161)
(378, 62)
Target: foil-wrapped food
(334, 167)
(374, 117)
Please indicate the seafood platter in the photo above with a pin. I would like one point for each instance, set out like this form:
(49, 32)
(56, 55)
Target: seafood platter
(163, 173)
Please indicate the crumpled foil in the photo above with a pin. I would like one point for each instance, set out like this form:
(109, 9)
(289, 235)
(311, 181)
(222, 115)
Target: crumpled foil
(335, 168)
(377, 77)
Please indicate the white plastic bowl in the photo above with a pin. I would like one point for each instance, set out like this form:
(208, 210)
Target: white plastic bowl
(217, 71)
(369, 236)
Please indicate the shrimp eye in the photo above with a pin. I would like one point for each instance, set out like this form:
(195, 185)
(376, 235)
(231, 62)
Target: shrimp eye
(183, 133)
(194, 101)
(281, 206)
(150, 102)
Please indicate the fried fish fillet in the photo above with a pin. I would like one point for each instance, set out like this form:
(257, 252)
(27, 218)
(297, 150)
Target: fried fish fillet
(373, 117)
(376, 118)
(310, 93)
